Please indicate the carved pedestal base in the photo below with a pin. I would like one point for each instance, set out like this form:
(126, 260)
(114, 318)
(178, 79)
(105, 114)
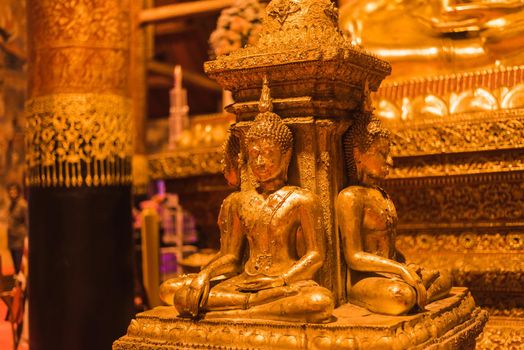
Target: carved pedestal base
(452, 323)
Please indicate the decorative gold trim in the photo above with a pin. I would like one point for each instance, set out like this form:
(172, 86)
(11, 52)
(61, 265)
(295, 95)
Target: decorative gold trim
(455, 321)
(493, 198)
(79, 46)
(182, 164)
(490, 79)
(79, 140)
(473, 132)
(502, 333)
(464, 242)
(485, 272)
(463, 164)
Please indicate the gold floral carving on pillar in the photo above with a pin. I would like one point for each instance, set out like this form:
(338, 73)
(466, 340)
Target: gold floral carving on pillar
(79, 130)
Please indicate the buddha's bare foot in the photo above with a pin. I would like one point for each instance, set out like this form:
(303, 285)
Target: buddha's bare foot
(310, 304)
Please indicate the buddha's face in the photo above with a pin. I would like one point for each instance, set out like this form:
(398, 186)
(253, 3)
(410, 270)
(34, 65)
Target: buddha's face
(374, 163)
(266, 159)
(13, 192)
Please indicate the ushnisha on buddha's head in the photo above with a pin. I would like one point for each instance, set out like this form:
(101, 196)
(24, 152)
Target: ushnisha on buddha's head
(269, 144)
(367, 148)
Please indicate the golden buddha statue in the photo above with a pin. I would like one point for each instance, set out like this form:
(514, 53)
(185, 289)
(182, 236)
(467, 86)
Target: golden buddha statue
(277, 226)
(379, 278)
(421, 37)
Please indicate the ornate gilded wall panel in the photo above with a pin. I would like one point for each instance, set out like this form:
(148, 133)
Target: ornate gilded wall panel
(470, 199)
(78, 139)
(458, 164)
(480, 131)
(79, 46)
(79, 130)
(502, 333)
(458, 183)
(486, 258)
(463, 240)
(185, 164)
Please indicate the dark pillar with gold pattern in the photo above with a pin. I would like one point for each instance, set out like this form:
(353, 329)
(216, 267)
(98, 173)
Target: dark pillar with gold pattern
(79, 147)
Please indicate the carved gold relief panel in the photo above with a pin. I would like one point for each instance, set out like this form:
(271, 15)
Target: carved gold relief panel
(464, 133)
(466, 199)
(78, 139)
(458, 164)
(79, 46)
(79, 126)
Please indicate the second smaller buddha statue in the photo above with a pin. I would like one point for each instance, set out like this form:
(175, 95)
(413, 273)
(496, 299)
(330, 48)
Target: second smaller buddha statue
(379, 277)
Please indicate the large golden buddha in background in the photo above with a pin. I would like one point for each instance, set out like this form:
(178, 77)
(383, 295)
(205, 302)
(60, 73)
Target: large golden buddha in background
(424, 37)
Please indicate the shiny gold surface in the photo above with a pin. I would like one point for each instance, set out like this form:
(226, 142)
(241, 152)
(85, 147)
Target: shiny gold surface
(380, 279)
(299, 51)
(447, 324)
(150, 257)
(437, 36)
(295, 37)
(198, 150)
(79, 115)
(289, 165)
(445, 96)
(457, 183)
(78, 139)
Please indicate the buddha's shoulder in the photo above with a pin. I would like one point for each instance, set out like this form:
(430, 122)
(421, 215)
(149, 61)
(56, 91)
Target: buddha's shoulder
(352, 193)
(300, 194)
(232, 199)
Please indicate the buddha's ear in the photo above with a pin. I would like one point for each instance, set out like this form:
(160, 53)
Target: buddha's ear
(287, 156)
(357, 154)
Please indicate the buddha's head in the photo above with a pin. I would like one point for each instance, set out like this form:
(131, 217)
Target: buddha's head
(367, 149)
(230, 161)
(269, 143)
(13, 191)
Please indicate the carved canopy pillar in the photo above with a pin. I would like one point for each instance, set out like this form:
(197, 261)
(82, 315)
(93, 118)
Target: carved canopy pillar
(79, 147)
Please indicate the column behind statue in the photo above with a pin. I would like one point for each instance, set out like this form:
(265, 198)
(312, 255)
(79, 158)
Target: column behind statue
(283, 263)
(78, 154)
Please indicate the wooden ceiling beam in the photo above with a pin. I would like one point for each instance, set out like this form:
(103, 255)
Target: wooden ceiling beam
(191, 78)
(170, 28)
(186, 9)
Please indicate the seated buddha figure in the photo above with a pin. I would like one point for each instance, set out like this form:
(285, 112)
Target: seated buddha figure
(379, 278)
(259, 271)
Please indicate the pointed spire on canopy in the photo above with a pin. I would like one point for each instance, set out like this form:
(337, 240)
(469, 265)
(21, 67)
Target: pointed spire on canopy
(266, 102)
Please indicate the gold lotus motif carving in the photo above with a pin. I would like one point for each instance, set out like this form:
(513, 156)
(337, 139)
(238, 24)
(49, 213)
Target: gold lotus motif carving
(78, 140)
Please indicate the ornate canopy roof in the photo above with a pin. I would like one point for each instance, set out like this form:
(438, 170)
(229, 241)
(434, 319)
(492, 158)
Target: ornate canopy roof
(311, 66)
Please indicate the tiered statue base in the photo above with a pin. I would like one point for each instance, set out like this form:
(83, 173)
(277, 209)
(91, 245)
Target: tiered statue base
(451, 323)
